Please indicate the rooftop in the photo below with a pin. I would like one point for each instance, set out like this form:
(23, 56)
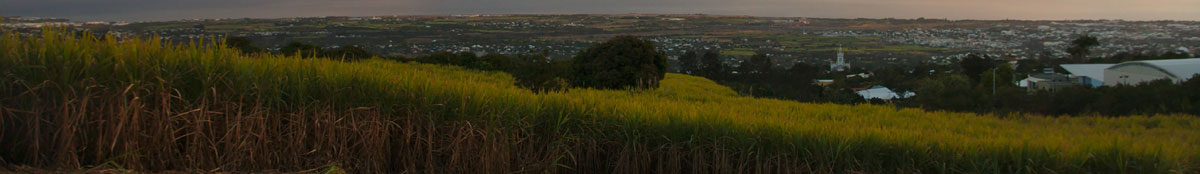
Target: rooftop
(1179, 68)
(1094, 71)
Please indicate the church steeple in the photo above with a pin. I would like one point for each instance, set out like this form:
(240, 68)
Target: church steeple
(841, 60)
(841, 64)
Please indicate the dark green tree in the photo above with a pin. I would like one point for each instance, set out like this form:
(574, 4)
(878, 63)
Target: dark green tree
(464, 59)
(497, 62)
(799, 82)
(1191, 95)
(1003, 76)
(974, 64)
(757, 65)
(711, 65)
(349, 53)
(244, 44)
(540, 73)
(301, 49)
(623, 61)
(536, 72)
(1004, 95)
(949, 92)
(689, 63)
(804, 71)
(1081, 47)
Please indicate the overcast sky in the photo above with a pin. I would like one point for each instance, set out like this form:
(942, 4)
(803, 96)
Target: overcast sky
(157, 10)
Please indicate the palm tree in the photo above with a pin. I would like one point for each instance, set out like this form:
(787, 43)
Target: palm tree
(1081, 46)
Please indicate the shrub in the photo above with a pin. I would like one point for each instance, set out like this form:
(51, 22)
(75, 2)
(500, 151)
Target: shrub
(244, 44)
(349, 53)
(303, 49)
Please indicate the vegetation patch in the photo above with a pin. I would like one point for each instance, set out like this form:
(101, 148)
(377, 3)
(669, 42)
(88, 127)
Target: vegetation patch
(76, 102)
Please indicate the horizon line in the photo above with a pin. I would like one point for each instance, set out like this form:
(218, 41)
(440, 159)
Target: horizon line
(75, 19)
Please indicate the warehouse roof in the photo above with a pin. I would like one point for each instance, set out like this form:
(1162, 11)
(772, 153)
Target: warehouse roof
(1181, 69)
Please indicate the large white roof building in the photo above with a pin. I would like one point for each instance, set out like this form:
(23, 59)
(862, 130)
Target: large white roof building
(883, 93)
(1087, 74)
(1136, 72)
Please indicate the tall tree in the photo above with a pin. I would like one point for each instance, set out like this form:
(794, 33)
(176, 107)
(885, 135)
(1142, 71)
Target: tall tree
(949, 92)
(757, 65)
(803, 73)
(349, 53)
(799, 82)
(539, 73)
(688, 62)
(620, 62)
(974, 64)
(1081, 47)
(1002, 74)
(301, 49)
(244, 44)
(712, 66)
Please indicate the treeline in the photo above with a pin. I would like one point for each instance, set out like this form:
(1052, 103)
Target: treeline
(344, 52)
(623, 62)
(758, 76)
(972, 86)
(972, 90)
(969, 86)
(533, 71)
(619, 63)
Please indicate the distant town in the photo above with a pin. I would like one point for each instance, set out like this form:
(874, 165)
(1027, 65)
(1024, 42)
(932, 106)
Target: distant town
(868, 43)
(524, 86)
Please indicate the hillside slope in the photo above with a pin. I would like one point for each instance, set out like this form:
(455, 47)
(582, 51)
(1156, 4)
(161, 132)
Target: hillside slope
(82, 103)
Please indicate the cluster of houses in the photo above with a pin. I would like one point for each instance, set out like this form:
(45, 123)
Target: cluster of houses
(1125, 73)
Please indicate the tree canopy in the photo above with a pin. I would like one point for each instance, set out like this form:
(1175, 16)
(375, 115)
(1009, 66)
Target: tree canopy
(974, 64)
(244, 44)
(308, 50)
(1081, 47)
(757, 65)
(301, 49)
(689, 63)
(711, 65)
(349, 52)
(623, 61)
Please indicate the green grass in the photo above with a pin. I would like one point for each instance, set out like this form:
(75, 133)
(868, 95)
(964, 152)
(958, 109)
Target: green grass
(813, 43)
(443, 22)
(687, 111)
(492, 31)
(738, 52)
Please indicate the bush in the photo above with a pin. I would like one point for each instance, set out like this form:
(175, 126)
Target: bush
(343, 53)
(623, 61)
(349, 53)
(302, 49)
(244, 44)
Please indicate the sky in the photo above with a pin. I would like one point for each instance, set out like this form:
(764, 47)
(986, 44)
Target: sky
(160, 10)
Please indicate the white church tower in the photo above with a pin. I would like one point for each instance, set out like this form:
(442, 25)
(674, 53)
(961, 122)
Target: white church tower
(841, 64)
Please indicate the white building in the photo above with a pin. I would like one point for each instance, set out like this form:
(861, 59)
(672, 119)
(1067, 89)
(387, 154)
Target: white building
(1045, 81)
(841, 64)
(883, 93)
(1135, 72)
(1087, 74)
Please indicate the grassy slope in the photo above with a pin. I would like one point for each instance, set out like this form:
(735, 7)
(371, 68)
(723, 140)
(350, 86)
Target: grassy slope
(686, 112)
